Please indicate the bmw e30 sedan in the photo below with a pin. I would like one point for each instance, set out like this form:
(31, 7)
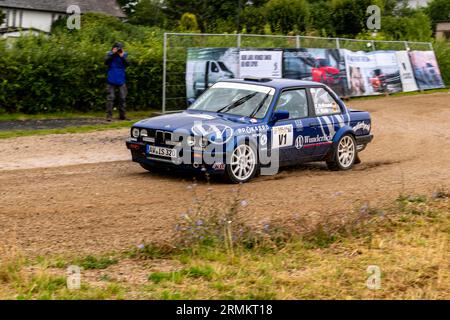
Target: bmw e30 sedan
(244, 127)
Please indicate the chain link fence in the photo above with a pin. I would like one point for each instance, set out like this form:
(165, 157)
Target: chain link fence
(176, 46)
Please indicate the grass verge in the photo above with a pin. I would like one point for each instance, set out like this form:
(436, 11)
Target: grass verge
(79, 129)
(69, 115)
(408, 241)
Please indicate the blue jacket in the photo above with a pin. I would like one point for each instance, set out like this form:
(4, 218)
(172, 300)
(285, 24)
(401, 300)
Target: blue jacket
(117, 66)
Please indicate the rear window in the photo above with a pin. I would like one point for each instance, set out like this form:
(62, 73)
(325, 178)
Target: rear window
(324, 103)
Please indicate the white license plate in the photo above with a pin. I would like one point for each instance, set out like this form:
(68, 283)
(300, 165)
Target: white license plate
(162, 152)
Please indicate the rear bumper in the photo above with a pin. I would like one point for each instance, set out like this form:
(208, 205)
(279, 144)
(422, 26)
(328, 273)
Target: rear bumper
(363, 141)
(366, 139)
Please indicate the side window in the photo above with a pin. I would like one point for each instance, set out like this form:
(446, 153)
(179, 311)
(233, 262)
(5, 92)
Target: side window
(294, 101)
(214, 67)
(324, 103)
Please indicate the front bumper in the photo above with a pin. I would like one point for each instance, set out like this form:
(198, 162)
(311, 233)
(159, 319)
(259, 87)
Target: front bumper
(196, 163)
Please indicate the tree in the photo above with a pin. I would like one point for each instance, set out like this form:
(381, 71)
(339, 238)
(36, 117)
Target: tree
(253, 19)
(438, 10)
(287, 15)
(320, 18)
(212, 15)
(188, 23)
(349, 16)
(149, 13)
(128, 5)
(414, 27)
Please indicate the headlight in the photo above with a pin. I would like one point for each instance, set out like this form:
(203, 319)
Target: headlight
(135, 133)
(190, 141)
(144, 133)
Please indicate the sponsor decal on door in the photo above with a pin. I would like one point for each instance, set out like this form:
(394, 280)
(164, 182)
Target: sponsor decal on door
(282, 136)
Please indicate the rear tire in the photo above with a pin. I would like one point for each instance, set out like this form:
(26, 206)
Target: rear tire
(344, 154)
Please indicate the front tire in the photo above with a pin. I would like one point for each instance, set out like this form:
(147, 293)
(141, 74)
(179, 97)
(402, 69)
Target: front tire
(344, 155)
(242, 166)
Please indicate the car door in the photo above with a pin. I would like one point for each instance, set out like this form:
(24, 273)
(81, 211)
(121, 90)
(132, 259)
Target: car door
(289, 136)
(328, 120)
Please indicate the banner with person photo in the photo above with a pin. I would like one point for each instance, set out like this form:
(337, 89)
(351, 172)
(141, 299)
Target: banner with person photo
(426, 70)
(206, 66)
(320, 65)
(371, 73)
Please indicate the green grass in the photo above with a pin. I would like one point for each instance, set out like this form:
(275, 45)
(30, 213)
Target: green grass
(409, 241)
(400, 94)
(70, 115)
(135, 116)
(80, 129)
(91, 262)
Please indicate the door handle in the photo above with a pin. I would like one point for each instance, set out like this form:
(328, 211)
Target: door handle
(314, 124)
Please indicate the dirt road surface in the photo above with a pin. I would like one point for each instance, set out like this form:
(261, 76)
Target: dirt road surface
(80, 194)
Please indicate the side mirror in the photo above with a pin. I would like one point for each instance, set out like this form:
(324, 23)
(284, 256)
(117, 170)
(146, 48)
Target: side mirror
(280, 115)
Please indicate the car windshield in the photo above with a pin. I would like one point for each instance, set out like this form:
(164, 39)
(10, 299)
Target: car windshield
(236, 99)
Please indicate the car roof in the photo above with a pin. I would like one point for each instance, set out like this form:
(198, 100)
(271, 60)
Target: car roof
(275, 83)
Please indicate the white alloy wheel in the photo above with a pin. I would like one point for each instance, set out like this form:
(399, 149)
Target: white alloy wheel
(242, 166)
(346, 152)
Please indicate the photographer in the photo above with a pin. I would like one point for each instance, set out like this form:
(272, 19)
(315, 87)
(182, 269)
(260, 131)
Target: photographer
(117, 62)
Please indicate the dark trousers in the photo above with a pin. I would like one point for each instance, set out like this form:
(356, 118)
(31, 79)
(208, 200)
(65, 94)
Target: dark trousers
(123, 91)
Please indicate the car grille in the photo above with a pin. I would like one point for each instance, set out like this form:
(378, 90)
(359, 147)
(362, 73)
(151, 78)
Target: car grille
(158, 138)
(163, 138)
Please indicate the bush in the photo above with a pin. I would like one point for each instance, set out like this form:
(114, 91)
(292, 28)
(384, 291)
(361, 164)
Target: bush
(66, 71)
(442, 50)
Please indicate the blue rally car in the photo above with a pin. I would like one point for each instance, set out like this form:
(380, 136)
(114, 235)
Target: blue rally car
(244, 127)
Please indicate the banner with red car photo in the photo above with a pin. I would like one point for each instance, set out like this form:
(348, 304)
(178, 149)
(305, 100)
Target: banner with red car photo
(321, 65)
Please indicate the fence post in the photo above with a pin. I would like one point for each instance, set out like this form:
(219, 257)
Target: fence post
(373, 45)
(297, 41)
(406, 45)
(338, 45)
(164, 73)
(431, 46)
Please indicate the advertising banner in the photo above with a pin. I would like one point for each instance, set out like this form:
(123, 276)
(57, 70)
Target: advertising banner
(371, 73)
(206, 66)
(426, 70)
(321, 65)
(406, 72)
(261, 64)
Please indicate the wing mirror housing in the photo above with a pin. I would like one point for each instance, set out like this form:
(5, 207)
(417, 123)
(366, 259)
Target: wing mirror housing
(280, 115)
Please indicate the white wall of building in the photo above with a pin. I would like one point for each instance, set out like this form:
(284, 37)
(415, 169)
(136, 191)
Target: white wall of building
(29, 19)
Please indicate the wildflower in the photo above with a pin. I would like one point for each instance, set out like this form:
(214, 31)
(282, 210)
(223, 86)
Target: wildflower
(141, 246)
(364, 209)
(199, 222)
(244, 203)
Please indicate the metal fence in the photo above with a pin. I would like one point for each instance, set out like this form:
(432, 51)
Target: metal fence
(176, 45)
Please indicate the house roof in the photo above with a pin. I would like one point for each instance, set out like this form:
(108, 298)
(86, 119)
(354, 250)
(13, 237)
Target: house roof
(109, 7)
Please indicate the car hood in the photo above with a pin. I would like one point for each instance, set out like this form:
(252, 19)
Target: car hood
(190, 120)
